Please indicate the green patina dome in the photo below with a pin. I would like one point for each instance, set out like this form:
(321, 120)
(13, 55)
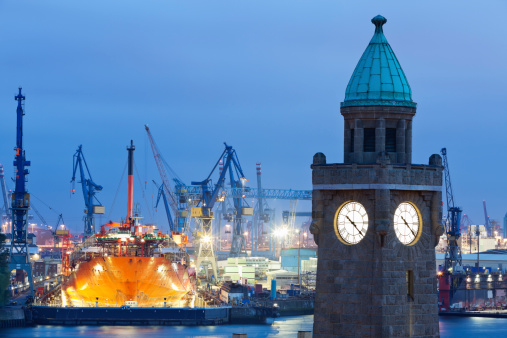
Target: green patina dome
(378, 78)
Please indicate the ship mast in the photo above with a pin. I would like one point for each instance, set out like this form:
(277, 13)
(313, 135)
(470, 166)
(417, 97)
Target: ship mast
(130, 199)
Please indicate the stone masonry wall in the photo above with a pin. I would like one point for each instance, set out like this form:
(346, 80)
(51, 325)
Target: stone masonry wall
(361, 289)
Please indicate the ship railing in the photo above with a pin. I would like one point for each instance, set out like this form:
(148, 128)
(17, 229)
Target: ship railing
(78, 254)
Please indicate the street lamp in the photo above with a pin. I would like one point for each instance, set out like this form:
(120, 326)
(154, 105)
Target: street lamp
(299, 259)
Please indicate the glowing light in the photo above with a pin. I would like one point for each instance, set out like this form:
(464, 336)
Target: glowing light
(281, 232)
(206, 239)
(98, 267)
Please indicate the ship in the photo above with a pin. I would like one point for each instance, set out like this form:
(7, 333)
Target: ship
(129, 264)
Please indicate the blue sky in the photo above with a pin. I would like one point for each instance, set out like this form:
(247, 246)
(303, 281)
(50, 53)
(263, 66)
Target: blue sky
(265, 76)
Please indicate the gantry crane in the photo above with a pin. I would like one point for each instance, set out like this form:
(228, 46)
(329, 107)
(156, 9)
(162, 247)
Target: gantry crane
(451, 277)
(90, 188)
(203, 211)
(194, 193)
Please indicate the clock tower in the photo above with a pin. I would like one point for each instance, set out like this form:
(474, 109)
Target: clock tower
(377, 217)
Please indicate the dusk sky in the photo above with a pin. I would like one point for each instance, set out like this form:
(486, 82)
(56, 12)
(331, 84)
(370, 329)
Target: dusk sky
(267, 77)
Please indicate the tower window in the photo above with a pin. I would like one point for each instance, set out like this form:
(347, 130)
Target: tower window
(351, 140)
(369, 140)
(391, 140)
(410, 285)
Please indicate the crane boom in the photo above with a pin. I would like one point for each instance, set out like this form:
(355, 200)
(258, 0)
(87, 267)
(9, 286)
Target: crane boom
(163, 175)
(5, 197)
(487, 223)
(161, 193)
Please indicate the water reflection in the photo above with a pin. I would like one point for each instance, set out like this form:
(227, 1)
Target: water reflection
(286, 327)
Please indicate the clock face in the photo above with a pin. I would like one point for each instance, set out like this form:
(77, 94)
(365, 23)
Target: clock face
(351, 223)
(407, 223)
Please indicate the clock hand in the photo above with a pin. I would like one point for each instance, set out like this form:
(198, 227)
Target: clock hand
(408, 226)
(355, 226)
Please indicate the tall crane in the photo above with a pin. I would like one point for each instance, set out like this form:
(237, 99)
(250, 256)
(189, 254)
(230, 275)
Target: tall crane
(453, 252)
(203, 211)
(261, 213)
(19, 254)
(171, 198)
(90, 188)
(487, 223)
(451, 278)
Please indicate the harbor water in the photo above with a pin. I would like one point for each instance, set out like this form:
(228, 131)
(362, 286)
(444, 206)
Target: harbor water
(284, 327)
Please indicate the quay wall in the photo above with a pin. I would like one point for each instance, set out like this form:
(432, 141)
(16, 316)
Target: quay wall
(12, 317)
(47, 315)
(292, 307)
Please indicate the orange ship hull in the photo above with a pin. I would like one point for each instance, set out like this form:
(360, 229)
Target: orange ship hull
(149, 281)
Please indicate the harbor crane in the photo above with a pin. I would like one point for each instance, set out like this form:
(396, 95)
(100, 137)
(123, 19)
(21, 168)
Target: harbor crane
(452, 226)
(19, 256)
(162, 194)
(178, 206)
(203, 211)
(90, 188)
(487, 222)
(451, 277)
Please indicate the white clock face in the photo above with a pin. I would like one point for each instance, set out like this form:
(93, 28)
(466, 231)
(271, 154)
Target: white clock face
(407, 223)
(351, 222)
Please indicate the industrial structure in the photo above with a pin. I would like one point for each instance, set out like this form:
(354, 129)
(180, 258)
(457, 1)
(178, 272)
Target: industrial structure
(89, 188)
(452, 274)
(202, 212)
(452, 224)
(19, 257)
(5, 211)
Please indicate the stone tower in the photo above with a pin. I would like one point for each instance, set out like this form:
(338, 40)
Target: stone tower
(377, 217)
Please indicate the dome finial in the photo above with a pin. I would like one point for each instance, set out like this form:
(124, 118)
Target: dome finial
(378, 21)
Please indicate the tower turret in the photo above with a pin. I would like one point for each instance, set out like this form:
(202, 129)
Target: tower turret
(378, 107)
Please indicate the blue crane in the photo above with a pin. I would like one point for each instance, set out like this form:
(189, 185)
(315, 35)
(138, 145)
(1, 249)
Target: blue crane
(203, 211)
(453, 252)
(177, 204)
(487, 222)
(19, 254)
(161, 193)
(90, 188)
(211, 193)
